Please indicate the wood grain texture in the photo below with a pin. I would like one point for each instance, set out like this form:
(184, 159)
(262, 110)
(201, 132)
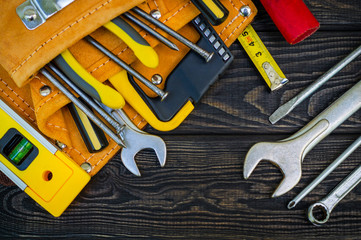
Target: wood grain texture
(201, 193)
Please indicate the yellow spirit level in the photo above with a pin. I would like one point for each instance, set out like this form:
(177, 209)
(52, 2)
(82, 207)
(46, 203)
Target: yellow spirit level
(37, 167)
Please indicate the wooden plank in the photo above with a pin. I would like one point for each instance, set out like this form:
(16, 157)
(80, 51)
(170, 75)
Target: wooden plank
(332, 15)
(200, 193)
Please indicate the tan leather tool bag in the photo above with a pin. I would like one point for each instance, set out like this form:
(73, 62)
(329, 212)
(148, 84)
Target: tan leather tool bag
(23, 52)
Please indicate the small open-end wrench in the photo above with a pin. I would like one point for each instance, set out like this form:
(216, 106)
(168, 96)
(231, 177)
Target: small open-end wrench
(136, 140)
(289, 153)
(327, 204)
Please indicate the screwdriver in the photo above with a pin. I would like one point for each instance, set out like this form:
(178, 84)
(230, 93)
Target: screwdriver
(93, 137)
(128, 68)
(213, 10)
(103, 93)
(118, 128)
(141, 48)
(79, 104)
(286, 108)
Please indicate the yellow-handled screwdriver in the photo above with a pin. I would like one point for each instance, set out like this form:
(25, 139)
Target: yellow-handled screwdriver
(213, 10)
(83, 79)
(141, 48)
(93, 137)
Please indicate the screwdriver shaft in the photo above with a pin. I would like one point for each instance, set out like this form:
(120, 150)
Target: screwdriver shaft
(206, 55)
(286, 108)
(82, 107)
(128, 68)
(118, 128)
(325, 173)
(151, 31)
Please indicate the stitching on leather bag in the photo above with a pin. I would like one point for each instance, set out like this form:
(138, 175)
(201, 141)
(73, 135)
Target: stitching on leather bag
(106, 155)
(234, 6)
(86, 160)
(21, 109)
(59, 33)
(136, 115)
(101, 65)
(47, 100)
(76, 150)
(180, 9)
(240, 25)
(56, 126)
(156, 4)
(233, 21)
(141, 121)
(7, 85)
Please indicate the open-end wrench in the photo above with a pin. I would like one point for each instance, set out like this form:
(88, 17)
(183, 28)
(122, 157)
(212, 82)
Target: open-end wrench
(136, 140)
(126, 130)
(327, 204)
(289, 153)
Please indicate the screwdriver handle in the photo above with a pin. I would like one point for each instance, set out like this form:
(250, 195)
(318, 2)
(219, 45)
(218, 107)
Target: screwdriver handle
(213, 10)
(93, 137)
(141, 48)
(84, 80)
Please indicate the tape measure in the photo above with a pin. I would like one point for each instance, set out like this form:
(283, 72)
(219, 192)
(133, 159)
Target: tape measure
(36, 166)
(261, 57)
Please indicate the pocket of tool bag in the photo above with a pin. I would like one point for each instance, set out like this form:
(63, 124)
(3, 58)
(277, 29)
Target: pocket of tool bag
(65, 30)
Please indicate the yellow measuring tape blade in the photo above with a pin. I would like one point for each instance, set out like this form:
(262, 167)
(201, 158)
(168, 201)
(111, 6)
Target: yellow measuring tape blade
(261, 57)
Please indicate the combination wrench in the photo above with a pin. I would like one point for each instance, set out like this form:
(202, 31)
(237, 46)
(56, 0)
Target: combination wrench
(327, 204)
(325, 173)
(288, 154)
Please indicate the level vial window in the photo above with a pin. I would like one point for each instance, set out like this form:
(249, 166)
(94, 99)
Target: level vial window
(18, 149)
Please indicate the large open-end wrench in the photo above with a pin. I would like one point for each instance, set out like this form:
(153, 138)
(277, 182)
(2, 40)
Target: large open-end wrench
(136, 140)
(327, 204)
(289, 153)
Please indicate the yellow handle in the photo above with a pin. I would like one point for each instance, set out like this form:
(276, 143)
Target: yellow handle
(213, 8)
(141, 48)
(84, 80)
(121, 82)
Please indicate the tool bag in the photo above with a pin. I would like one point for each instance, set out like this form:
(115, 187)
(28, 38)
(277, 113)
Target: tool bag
(23, 52)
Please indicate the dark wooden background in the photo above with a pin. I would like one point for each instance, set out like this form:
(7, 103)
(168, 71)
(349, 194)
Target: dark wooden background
(201, 193)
